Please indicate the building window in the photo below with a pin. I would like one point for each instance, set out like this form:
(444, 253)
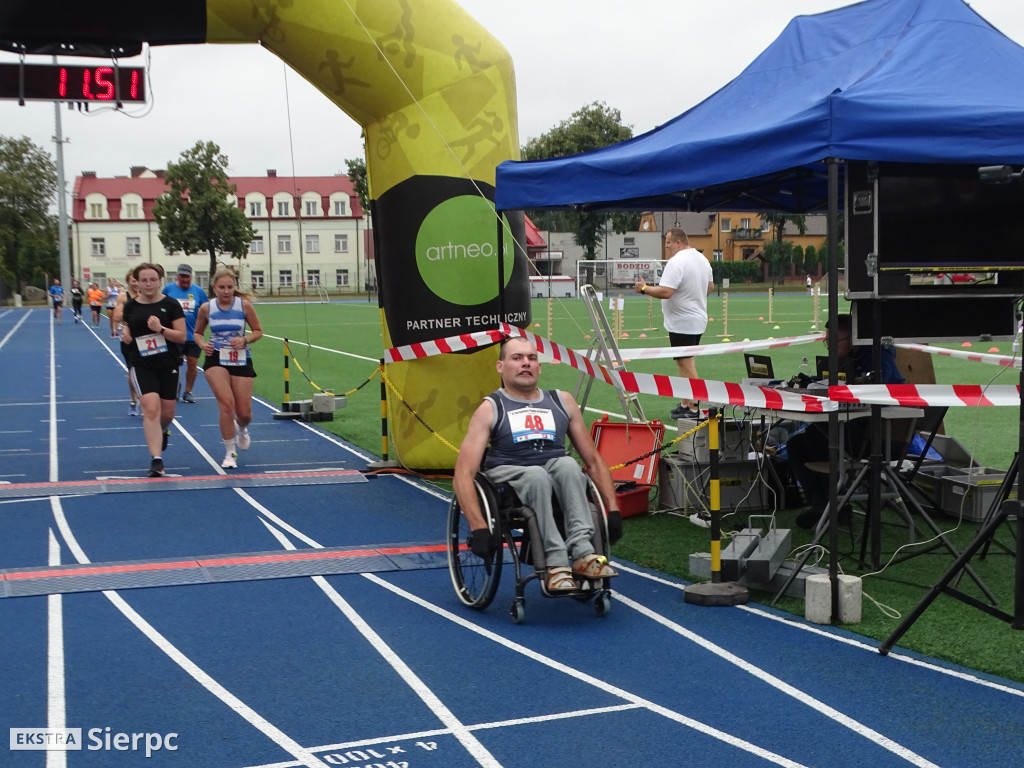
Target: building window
(765, 225)
(133, 246)
(202, 279)
(629, 241)
(341, 243)
(256, 246)
(283, 208)
(717, 254)
(100, 278)
(312, 277)
(341, 278)
(284, 278)
(257, 279)
(255, 209)
(744, 223)
(99, 246)
(284, 243)
(312, 209)
(131, 210)
(312, 243)
(725, 225)
(340, 209)
(95, 210)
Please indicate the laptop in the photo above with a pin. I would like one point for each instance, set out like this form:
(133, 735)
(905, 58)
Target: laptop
(759, 367)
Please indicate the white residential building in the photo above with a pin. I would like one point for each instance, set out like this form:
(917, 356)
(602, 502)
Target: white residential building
(310, 230)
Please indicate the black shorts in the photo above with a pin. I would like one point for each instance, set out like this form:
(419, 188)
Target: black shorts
(190, 349)
(163, 381)
(683, 340)
(245, 371)
(57, 302)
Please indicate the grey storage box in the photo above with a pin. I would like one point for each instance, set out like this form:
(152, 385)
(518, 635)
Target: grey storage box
(973, 492)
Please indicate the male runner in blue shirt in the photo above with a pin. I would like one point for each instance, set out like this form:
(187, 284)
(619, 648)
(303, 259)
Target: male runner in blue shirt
(191, 297)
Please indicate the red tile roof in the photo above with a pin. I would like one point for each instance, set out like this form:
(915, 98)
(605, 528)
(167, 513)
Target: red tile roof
(151, 188)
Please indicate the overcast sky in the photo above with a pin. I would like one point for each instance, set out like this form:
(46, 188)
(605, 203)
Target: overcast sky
(650, 59)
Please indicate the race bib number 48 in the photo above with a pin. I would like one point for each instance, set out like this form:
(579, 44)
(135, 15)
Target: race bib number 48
(532, 424)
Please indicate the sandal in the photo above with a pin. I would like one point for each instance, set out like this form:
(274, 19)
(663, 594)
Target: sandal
(593, 566)
(560, 580)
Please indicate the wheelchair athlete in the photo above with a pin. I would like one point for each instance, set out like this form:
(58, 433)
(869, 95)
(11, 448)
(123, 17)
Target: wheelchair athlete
(517, 436)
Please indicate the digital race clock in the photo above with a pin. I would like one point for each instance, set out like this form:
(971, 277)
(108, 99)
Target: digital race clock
(63, 82)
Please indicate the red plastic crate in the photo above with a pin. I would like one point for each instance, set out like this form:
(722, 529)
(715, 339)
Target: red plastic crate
(618, 443)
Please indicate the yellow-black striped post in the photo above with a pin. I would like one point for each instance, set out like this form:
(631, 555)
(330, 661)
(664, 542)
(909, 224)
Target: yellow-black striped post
(715, 492)
(716, 592)
(287, 396)
(383, 414)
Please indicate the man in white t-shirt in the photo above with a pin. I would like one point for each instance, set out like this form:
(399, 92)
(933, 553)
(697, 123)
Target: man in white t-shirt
(683, 290)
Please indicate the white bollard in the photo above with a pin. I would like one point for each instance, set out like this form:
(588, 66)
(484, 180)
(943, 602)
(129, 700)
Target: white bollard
(818, 599)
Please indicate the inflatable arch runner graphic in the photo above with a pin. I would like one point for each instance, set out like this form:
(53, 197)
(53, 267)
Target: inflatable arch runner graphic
(435, 95)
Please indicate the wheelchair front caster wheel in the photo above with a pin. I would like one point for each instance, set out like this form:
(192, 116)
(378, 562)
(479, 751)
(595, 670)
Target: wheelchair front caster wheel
(518, 610)
(603, 603)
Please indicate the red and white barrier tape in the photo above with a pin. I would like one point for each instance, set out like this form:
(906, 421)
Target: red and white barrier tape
(979, 357)
(724, 348)
(715, 392)
(443, 346)
(920, 395)
(725, 393)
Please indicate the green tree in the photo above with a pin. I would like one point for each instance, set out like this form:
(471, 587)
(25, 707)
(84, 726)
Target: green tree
(28, 233)
(798, 258)
(810, 259)
(357, 174)
(591, 127)
(195, 214)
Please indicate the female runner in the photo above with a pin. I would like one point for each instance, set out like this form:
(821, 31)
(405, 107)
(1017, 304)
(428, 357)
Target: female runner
(228, 363)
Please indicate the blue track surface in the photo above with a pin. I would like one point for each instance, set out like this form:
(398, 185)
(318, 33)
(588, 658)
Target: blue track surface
(387, 668)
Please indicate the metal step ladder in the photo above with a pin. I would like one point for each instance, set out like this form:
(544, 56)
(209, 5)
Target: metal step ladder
(603, 349)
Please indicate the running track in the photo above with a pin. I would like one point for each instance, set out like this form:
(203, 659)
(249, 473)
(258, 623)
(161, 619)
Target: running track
(279, 619)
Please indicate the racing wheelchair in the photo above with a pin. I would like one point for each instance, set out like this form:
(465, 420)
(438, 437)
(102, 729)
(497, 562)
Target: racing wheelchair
(515, 526)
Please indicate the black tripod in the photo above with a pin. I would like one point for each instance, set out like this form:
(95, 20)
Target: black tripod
(1009, 510)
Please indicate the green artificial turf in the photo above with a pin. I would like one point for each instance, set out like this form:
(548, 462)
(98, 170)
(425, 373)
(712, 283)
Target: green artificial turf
(336, 347)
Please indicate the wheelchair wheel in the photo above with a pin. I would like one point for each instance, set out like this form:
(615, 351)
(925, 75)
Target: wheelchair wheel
(475, 581)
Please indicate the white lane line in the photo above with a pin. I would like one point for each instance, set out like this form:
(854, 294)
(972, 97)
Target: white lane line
(56, 710)
(602, 685)
(804, 698)
(11, 332)
(323, 349)
(272, 732)
(458, 729)
(54, 466)
(419, 735)
(793, 622)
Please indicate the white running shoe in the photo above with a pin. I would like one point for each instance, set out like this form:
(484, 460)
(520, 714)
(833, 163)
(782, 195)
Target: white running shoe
(229, 461)
(242, 439)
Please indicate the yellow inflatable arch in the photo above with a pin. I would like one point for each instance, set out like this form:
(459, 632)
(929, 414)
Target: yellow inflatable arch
(435, 95)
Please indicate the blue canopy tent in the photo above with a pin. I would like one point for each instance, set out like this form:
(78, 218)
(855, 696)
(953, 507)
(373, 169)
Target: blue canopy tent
(902, 81)
(922, 81)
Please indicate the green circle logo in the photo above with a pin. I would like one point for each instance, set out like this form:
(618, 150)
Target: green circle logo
(457, 251)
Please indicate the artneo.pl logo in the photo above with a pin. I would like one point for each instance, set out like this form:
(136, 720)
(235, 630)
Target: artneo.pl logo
(96, 739)
(456, 251)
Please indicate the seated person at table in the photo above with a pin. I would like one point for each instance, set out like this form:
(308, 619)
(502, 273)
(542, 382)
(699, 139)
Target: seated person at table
(517, 436)
(811, 444)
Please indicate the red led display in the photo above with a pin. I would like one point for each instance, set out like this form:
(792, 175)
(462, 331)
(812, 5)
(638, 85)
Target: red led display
(63, 82)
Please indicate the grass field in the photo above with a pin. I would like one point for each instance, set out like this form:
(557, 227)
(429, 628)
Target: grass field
(337, 346)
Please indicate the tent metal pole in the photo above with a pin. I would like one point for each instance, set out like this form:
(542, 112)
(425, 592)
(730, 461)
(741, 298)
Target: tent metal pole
(833, 368)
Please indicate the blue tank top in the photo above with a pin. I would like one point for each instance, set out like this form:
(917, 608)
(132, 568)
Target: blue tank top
(226, 324)
(526, 432)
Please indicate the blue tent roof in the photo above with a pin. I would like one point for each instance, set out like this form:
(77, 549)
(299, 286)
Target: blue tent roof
(922, 81)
